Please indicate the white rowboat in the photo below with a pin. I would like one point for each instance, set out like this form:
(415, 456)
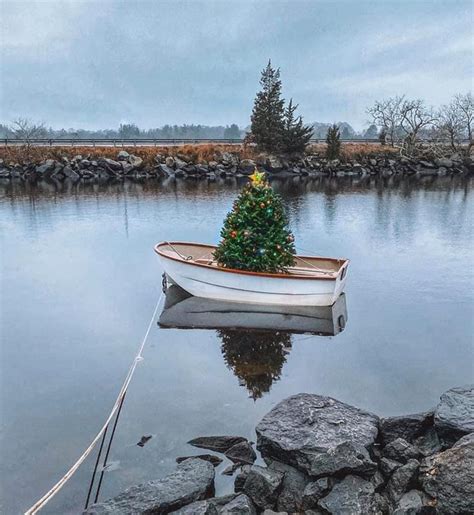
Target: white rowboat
(313, 281)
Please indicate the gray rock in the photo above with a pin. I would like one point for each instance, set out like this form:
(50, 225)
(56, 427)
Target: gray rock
(414, 502)
(47, 166)
(109, 164)
(378, 480)
(123, 155)
(408, 427)
(70, 173)
(401, 450)
(448, 477)
(352, 496)
(454, 415)
(426, 164)
(241, 452)
(214, 460)
(444, 161)
(165, 170)
(169, 161)
(240, 505)
(179, 163)
(192, 481)
(346, 458)
(428, 443)
(198, 508)
(388, 466)
(301, 428)
(263, 486)
(402, 480)
(290, 498)
(315, 491)
(217, 443)
(247, 166)
(135, 161)
(230, 469)
(127, 167)
(241, 477)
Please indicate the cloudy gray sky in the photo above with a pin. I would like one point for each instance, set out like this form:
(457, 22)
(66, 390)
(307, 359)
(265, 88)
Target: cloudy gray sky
(96, 64)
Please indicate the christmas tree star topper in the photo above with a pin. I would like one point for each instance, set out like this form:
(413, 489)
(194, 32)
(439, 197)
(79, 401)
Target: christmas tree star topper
(257, 177)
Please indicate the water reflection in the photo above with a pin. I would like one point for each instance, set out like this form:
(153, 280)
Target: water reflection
(256, 339)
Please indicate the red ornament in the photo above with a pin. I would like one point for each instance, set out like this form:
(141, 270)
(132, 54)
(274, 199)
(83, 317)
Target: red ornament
(233, 234)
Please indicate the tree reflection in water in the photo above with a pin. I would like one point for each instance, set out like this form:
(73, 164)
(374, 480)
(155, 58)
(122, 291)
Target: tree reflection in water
(255, 357)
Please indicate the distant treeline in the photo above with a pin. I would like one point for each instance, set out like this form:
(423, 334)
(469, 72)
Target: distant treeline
(130, 131)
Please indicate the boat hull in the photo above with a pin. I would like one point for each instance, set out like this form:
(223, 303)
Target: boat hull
(227, 285)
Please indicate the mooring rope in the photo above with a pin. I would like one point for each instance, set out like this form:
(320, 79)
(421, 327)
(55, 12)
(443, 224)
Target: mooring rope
(40, 503)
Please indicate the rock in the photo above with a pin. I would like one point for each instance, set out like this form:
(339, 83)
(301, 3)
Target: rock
(408, 427)
(179, 163)
(135, 161)
(378, 480)
(290, 498)
(448, 477)
(230, 469)
(47, 166)
(127, 167)
(241, 452)
(402, 480)
(189, 169)
(241, 478)
(388, 466)
(302, 427)
(123, 155)
(346, 458)
(263, 486)
(240, 505)
(214, 460)
(414, 502)
(169, 161)
(198, 508)
(202, 169)
(217, 443)
(229, 159)
(273, 164)
(143, 440)
(400, 450)
(315, 491)
(247, 166)
(192, 481)
(352, 496)
(70, 173)
(165, 170)
(110, 164)
(428, 443)
(426, 164)
(454, 415)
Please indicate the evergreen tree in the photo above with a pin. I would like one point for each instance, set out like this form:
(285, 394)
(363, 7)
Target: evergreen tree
(333, 140)
(255, 235)
(295, 135)
(267, 114)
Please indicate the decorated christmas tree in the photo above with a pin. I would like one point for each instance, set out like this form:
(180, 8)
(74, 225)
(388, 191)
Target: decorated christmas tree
(255, 235)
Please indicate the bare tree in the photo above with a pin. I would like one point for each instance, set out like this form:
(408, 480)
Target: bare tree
(465, 106)
(387, 115)
(415, 116)
(26, 130)
(449, 125)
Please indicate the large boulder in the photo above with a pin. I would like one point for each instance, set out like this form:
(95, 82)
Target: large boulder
(217, 443)
(240, 505)
(301, 428)
(352, 496)
(448, 477)
(247, 166)
(407, 427)
(241, 452)
(263, 486)
(47, 166)
(454, 415)
(192, 481)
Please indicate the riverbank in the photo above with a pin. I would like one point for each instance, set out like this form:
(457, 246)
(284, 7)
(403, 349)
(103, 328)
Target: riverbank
(209, 162)
(322, 456)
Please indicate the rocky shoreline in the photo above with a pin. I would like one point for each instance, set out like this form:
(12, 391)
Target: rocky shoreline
(321, 456)
(90, 168)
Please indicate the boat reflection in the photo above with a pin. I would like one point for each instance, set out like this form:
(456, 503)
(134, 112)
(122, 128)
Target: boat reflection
(256, 339)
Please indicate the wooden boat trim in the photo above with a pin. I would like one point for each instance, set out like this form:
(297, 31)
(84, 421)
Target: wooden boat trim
(343, 264)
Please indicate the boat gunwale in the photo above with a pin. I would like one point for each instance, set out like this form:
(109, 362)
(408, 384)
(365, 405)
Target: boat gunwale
(322, 277)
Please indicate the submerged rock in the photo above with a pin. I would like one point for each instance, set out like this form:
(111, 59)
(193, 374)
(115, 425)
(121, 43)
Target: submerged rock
(454, 415)
(192, 481)
(217, 443)
(300, 429)
(448, 477)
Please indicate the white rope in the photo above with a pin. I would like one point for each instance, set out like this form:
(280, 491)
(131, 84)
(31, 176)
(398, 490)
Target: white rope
(57, 487)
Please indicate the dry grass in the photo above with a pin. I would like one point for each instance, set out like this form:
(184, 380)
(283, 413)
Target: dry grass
(194, 153)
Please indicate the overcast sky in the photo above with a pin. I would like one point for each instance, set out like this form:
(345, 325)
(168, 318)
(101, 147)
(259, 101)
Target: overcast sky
(96, 64)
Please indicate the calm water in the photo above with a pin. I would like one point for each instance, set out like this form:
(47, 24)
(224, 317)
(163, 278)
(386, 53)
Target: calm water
(80, 280)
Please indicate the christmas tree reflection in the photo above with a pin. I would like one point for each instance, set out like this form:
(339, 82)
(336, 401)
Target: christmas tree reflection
(255, 357)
